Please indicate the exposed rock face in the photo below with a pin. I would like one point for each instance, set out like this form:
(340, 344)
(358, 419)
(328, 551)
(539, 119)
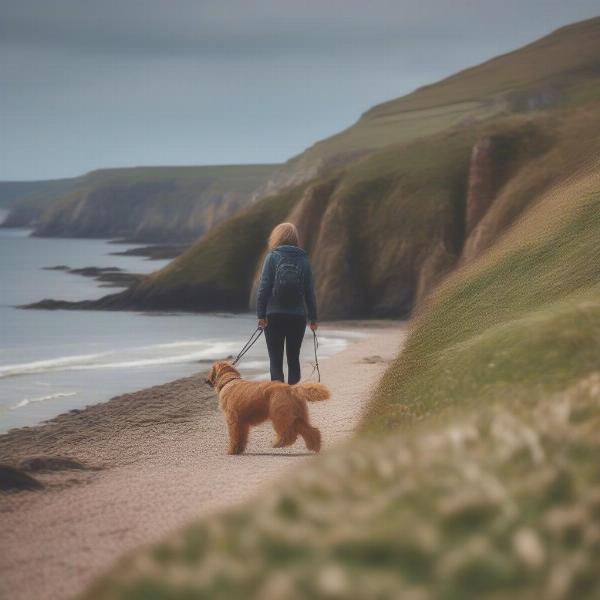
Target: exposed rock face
(305, 168)
(139, 212)
(481, 187)
(336, 282)
(537, 99)
(498, 188)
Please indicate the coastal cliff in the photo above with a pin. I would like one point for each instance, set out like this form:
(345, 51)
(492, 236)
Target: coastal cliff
(144, 204)
(387, 212)
(380, 234)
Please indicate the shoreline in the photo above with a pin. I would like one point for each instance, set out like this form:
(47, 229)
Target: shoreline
(173, 362)
(154, 460)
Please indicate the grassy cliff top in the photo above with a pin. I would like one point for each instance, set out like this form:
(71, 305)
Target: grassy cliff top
(234, 177)
(560, 69)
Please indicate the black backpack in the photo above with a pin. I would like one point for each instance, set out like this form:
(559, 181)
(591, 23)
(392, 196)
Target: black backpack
(288, 283)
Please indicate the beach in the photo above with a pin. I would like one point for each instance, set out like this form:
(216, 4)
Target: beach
(154, 460)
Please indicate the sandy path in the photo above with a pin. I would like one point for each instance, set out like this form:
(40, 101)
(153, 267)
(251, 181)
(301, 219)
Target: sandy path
(162, 453)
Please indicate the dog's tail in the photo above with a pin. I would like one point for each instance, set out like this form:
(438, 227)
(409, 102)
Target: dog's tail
(313, 392)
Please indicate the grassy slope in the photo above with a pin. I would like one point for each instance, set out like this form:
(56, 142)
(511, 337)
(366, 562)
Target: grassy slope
(550, 70)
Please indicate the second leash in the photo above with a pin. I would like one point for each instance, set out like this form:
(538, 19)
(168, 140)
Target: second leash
(316, 346)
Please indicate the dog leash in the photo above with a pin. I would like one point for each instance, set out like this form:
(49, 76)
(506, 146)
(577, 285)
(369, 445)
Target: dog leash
(253, 339)
(316, 365)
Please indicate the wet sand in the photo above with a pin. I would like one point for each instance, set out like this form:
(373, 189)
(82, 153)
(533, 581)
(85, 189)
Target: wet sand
(156, 459)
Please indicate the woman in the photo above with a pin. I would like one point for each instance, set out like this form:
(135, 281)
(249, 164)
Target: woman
(286, 296)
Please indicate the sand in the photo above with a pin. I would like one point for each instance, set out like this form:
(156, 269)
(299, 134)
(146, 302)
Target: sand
(157, 460)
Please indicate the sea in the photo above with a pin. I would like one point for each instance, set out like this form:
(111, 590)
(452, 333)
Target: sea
(55, 361)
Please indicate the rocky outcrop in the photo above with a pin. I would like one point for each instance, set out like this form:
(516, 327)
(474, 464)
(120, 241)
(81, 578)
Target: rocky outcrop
(498, 190)
(14, 480)
(305, 168)
(534, 99)
(139, 212)
(334, 266)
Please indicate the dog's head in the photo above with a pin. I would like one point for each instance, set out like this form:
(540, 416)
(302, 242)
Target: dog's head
(218, 370)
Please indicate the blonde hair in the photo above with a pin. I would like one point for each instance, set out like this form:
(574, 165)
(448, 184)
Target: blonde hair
(284, 233)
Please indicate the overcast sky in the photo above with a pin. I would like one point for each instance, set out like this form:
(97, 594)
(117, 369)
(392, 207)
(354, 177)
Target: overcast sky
(86, 84)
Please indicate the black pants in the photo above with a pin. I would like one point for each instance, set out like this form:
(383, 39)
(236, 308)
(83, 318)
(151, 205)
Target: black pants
(289, 329)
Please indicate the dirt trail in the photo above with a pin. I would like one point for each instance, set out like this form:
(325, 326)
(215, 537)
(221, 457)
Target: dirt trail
(162, 453)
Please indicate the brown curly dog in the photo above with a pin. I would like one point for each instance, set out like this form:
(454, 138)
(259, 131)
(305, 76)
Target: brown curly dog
(247, 403)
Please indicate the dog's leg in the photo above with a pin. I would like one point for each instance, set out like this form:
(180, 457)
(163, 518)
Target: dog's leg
(285, 438)
(283, 416)
(238, 437)
(311, 435)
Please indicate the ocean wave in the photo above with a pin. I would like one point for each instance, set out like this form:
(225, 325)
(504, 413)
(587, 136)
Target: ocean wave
(168, 353)
(143, 356)
(329, 345)
(254, 364)
(27, 401)
(348, 333)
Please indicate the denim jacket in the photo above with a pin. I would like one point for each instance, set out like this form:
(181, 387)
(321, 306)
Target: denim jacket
(266, 304)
